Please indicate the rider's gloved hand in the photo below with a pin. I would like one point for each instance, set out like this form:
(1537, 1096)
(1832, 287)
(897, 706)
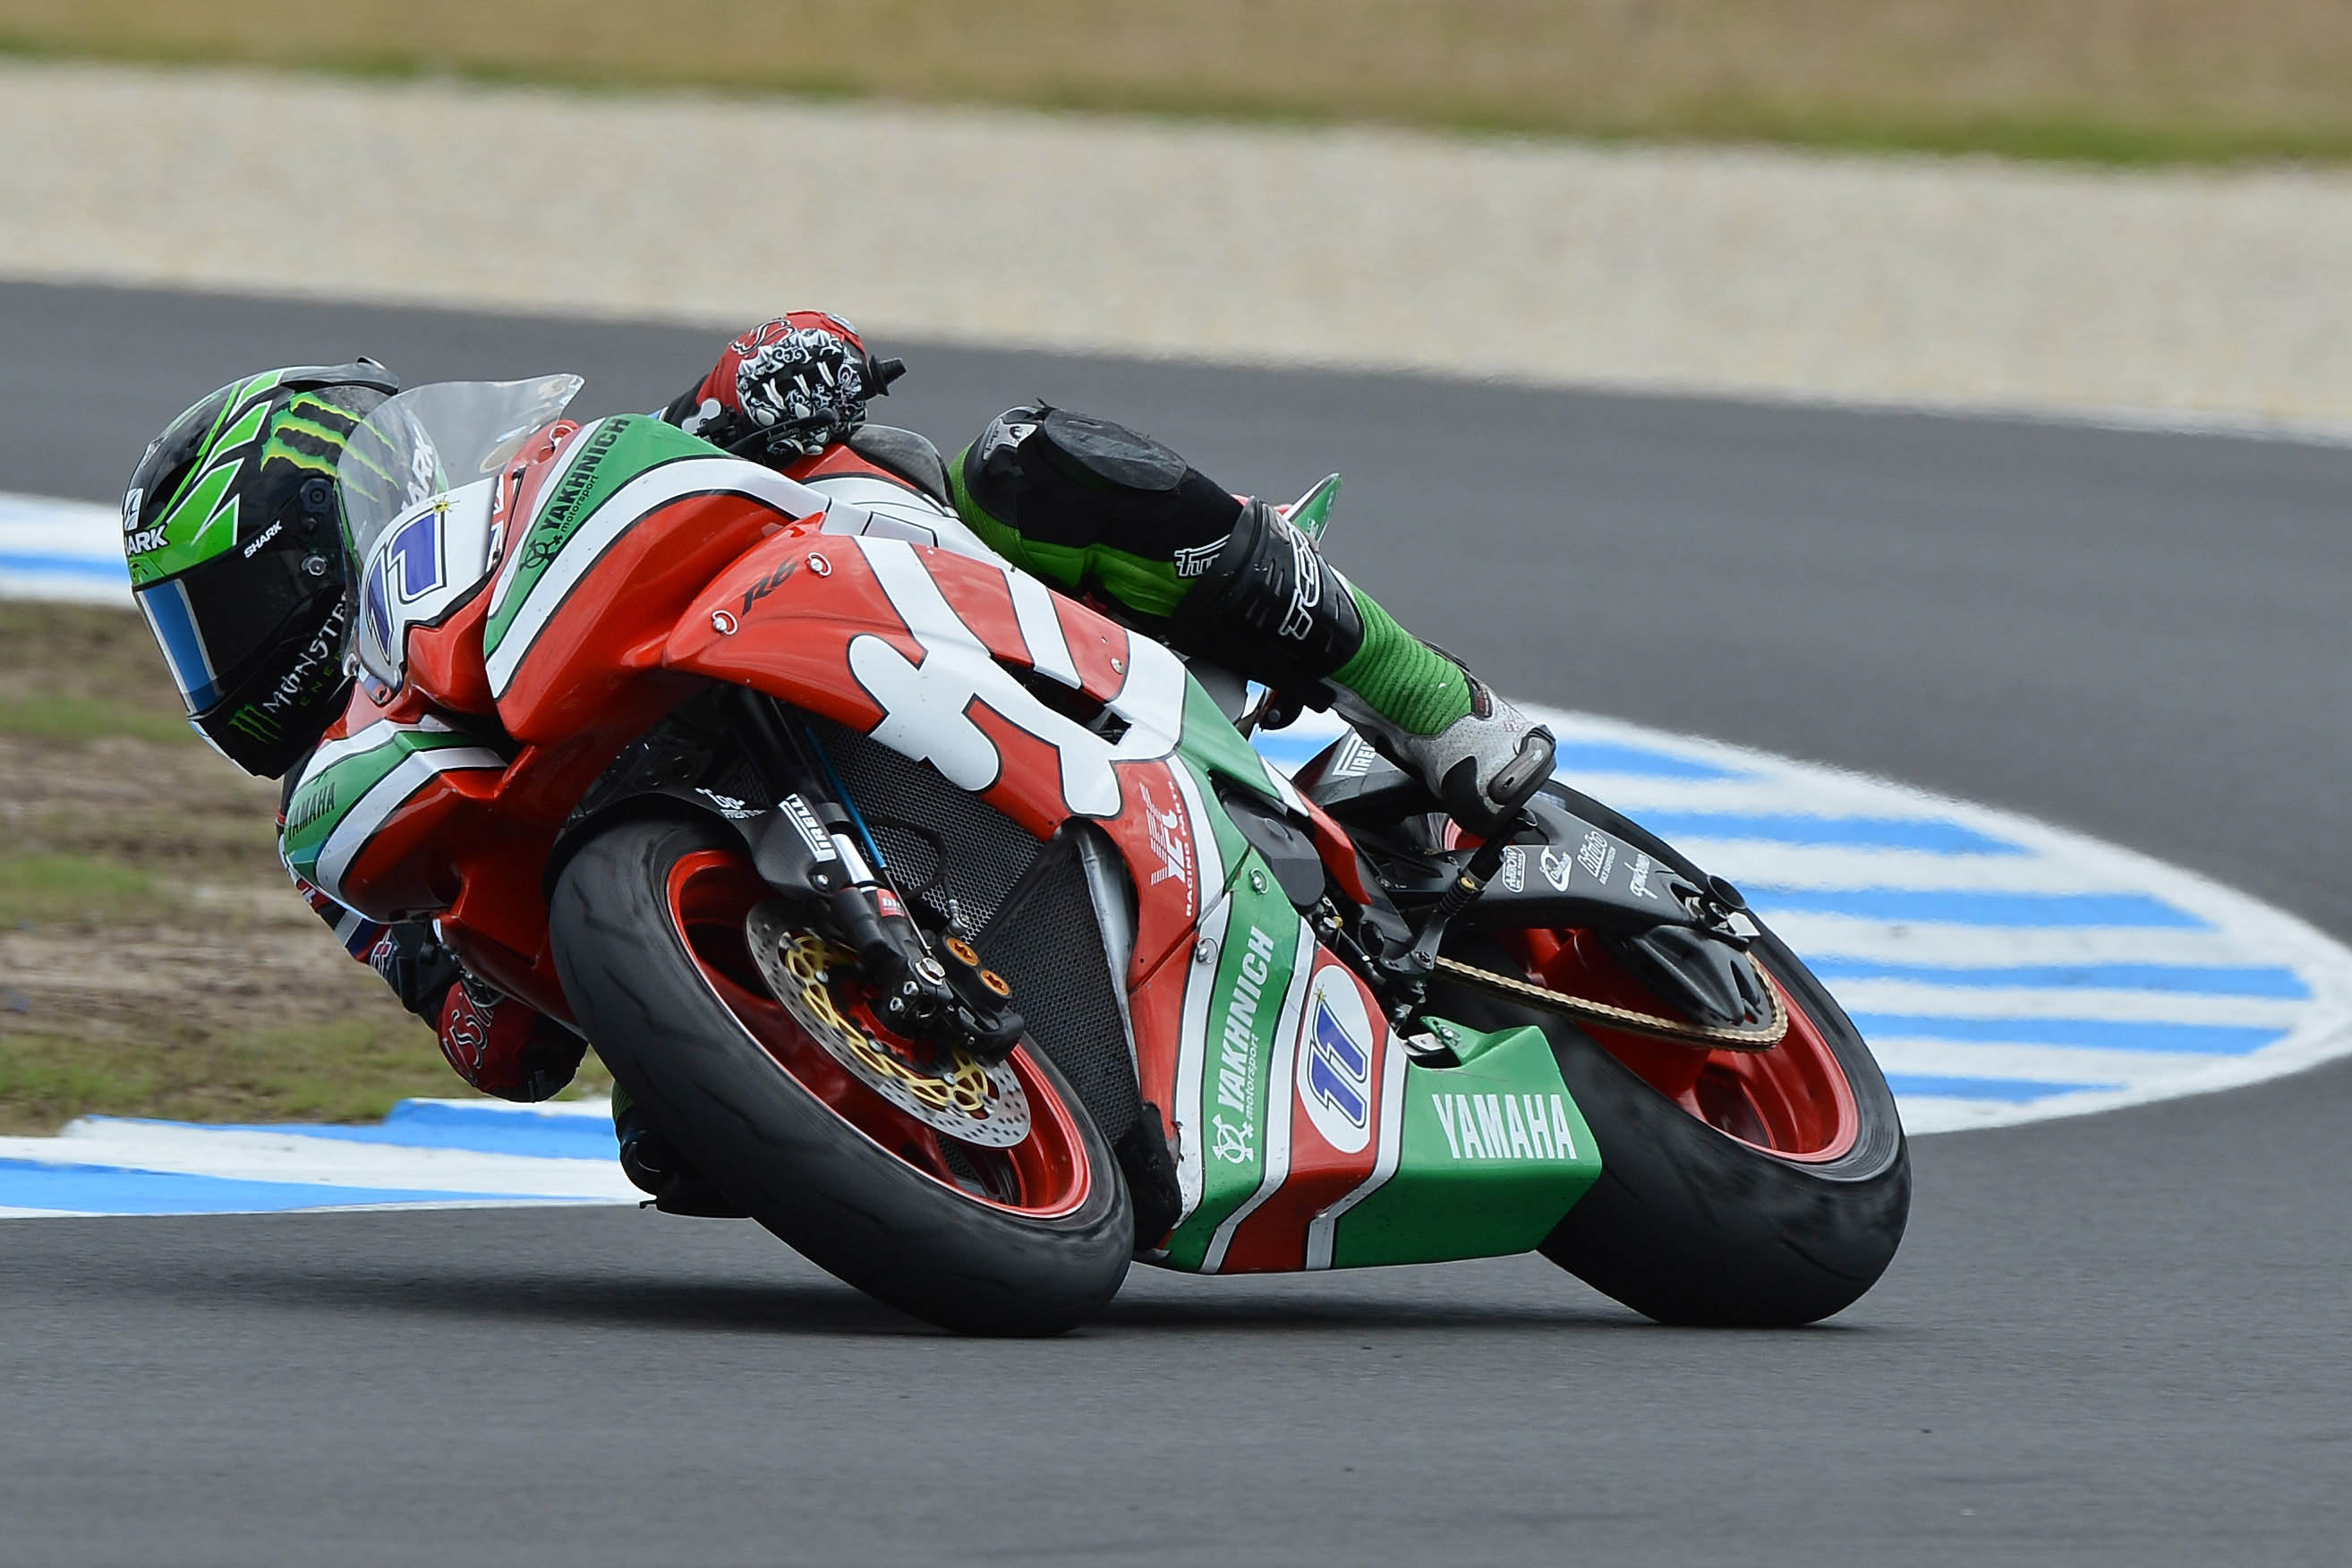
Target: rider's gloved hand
(506, 1047)
(786, 389)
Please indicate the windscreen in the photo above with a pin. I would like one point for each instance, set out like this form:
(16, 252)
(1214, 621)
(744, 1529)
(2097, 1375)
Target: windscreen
(434, 438)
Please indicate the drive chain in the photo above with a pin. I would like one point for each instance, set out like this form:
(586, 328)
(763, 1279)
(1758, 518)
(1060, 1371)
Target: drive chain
(1759, 1037)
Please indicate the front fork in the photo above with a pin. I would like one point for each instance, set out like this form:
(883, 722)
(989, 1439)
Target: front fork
(816, 849)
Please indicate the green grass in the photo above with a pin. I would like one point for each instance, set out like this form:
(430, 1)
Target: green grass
(76, 720)
(134, 851)
(38, 889)
(2116, 81)
(354, 1070)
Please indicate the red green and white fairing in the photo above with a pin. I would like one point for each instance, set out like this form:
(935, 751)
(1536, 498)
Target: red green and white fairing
(634, 553)
(1306, 1138)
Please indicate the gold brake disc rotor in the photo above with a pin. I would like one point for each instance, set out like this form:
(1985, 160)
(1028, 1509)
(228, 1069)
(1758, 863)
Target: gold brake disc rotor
(972, 1103)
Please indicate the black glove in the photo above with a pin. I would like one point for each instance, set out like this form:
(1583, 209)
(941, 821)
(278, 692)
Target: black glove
(787, 389)
(419, 969)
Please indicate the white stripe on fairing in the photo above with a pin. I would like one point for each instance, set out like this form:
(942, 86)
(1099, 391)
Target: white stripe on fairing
(880, 509)
(329, 752)
(368, 813)
(1323, 1229)
(1200, 996)
(1041, 629)
(1281, 1102)
(510, 563)
(602, 528)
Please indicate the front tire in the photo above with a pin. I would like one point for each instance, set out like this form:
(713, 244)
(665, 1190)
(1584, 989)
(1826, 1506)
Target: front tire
(1035, 1244)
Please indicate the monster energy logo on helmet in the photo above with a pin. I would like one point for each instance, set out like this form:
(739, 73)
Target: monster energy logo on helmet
(277, 424)
(198, 519)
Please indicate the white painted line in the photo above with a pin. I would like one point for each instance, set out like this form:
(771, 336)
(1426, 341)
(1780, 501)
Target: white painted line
(178, 1149)
(2054, 1002)
(1821, 936)
(1946, 1058)
(61, 550)
(2028, 961)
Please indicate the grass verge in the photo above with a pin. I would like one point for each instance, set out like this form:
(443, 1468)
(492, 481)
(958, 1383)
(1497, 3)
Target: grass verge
(348, 1069)
(2105, 80)
(153, 959)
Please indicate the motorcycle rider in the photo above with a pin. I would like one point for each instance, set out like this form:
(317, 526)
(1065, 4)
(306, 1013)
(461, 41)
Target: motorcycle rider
(231, 527)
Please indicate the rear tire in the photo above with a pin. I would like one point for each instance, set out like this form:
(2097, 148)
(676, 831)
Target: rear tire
(1688, 1224)
(804, 1172)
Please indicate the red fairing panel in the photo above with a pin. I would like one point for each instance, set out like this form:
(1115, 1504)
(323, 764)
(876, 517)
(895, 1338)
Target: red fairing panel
(1329, 1158)
(911, 645)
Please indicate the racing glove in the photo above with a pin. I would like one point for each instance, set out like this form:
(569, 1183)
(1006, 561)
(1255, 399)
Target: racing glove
(785, 390)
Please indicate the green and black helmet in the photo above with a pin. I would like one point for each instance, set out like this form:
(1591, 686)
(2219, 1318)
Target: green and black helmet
(235, 540)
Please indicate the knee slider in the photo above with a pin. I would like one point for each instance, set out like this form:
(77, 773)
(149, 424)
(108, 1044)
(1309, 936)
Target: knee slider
(1059, 477)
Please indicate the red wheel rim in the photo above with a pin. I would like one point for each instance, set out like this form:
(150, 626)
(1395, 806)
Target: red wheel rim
(1045, 1175)
(1793, 1101)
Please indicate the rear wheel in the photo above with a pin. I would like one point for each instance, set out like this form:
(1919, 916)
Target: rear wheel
(984, 1201)
(1736, 1187)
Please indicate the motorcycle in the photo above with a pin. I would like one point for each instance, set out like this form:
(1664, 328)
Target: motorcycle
(957, 933)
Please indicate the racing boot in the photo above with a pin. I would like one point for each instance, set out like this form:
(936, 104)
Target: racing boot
(1270, 606)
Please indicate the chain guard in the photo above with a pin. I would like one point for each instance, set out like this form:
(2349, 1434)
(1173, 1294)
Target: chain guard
(977, 1104)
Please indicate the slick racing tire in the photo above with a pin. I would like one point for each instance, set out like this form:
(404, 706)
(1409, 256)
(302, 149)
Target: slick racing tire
(1034, 1239)
(1736, 1189)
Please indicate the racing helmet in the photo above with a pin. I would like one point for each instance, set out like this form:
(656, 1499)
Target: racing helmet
(233, 533)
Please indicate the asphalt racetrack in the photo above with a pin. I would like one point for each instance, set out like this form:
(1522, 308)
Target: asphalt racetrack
(2121, 1338)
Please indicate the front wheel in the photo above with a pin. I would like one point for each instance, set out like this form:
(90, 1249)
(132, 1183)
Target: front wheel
(1736, 1188)
(986, 1202)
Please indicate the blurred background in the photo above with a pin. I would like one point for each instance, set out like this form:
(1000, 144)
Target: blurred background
(2127, 211)
(2118, 80)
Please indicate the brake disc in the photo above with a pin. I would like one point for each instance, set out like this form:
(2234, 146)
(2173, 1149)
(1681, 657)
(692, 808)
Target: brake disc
(971, 1102)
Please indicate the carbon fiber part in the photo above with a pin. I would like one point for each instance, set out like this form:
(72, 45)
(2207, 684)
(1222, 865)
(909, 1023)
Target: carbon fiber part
(915, 814)
(1046, 942)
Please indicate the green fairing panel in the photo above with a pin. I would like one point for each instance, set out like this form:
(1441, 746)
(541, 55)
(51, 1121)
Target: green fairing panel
(614, 452)
(1217, 751)
(1253, 975)
(201, 521)
(1256, 966)
(326, 794)
(1311, 513)
(1496, 1152)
